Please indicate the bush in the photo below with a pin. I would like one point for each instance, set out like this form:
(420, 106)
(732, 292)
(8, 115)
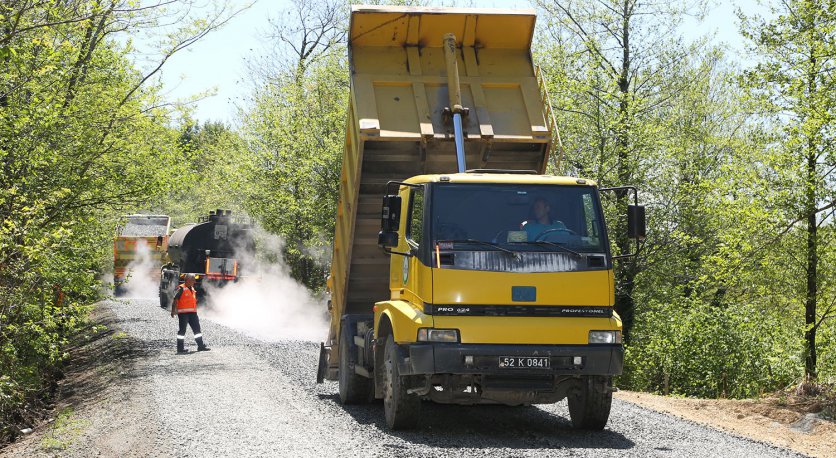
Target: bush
(696, 349)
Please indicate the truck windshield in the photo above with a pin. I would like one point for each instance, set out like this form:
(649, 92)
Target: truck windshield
(517, 217)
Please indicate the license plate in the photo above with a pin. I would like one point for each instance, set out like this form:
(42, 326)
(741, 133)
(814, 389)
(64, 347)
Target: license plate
(524, 362)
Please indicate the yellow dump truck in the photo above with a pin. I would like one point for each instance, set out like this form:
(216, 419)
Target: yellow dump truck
(482, 280)
(140, 242)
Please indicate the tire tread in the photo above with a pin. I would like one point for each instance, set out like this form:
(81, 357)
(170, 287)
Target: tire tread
(403, 411)
(354, 388)
(590, 409)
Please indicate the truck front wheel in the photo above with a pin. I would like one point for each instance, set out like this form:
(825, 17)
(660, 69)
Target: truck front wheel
(354, 388)
(589, 408)
(402, 409)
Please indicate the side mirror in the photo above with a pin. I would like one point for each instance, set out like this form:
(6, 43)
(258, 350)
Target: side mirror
(390, 218)
(636, 222)
(387, 239)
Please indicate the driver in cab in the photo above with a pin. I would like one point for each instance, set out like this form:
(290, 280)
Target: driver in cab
(542, 223)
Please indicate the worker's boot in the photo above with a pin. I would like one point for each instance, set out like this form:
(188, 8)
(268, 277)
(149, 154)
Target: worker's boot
(200, 345)
(181, 346)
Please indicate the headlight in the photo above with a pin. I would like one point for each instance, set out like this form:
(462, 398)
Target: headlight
(605, 337)
(438, 335)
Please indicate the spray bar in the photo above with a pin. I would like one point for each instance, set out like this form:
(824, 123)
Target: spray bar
(454, 91)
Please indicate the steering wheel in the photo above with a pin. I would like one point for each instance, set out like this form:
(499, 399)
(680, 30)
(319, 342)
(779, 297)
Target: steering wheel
(540, 236)
(497, 238)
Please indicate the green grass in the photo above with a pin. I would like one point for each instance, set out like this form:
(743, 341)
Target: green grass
(64, 431)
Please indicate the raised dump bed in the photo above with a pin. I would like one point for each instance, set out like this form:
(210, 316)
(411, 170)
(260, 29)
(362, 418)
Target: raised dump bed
(399, 122)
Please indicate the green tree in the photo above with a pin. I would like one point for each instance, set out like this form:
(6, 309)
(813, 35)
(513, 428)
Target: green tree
(294, 127)
(795, 82)
(615, 58)
(82, 136)
(211, 173)
(707, 317)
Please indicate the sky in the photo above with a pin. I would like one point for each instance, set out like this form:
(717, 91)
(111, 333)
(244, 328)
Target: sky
(217, 62)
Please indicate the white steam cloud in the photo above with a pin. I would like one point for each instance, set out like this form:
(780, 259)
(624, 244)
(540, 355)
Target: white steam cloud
(267, 303)
(142, 274)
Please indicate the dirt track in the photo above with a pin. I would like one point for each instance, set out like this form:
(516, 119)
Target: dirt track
(131, 395)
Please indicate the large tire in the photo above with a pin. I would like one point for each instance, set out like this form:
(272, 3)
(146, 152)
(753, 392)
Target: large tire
(590, 408)
(401, 408)
(354, 388)
(164, 302)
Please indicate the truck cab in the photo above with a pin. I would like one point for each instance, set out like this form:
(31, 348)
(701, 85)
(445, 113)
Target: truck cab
(491, 284)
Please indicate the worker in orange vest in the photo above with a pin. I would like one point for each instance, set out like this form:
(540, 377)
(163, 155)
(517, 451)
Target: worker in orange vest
(184, 305)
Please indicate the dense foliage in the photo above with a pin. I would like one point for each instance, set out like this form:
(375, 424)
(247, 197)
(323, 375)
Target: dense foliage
(82, 135)
(735, 167)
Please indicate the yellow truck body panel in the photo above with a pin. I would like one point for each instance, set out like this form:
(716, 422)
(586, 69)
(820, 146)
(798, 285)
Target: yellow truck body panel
(563, 288)
(526, 330)
(135, 234)
(406, 319)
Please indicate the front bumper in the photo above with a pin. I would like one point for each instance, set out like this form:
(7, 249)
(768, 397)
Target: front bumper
(444, 358)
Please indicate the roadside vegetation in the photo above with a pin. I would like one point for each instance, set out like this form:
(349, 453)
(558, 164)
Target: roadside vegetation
(735, 290)
(84, 135)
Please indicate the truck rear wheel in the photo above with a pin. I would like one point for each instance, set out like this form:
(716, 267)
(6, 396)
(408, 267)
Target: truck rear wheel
(354, 388)
(401, 408)
(163, 299)
(590, 407)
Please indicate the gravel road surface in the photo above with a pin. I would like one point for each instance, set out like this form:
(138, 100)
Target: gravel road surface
(249, 397)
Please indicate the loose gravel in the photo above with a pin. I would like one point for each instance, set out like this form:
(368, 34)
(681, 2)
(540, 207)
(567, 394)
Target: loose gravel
(145, 227)
(248, 397)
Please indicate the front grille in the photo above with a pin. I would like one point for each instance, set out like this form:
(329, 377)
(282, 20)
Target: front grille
(524, 262)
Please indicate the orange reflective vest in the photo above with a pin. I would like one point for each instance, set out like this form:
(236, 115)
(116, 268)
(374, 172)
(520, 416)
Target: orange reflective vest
(187, 302)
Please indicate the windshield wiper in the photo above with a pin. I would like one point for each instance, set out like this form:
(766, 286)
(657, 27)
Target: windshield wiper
(557, 245)
(480, 242)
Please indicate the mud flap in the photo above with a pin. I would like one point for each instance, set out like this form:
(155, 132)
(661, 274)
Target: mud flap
(322, 367)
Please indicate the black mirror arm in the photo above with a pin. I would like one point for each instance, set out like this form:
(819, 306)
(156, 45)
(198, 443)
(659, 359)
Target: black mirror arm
(635, 202)
(624, 188)
(389, 185)
(390, 251)
(631, 255)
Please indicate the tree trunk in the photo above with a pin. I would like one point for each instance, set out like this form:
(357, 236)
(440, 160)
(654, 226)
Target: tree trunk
(626, 273)
(92, 36)
(812, 267)
(812, 241)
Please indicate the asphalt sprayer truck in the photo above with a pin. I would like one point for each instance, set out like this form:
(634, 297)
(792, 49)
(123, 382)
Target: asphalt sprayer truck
(140, 243)
(482, 280)
(212, 249)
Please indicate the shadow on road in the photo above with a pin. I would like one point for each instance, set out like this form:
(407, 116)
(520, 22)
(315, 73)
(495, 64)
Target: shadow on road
(490, 426)
(100, 359)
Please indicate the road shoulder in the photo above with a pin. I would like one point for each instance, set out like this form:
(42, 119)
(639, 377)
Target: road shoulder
(755, 419)
(99, 409)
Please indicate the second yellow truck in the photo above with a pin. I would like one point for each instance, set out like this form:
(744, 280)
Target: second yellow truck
(481, 280)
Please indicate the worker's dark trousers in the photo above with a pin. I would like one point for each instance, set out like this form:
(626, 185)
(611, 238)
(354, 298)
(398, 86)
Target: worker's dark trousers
(192, 320)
